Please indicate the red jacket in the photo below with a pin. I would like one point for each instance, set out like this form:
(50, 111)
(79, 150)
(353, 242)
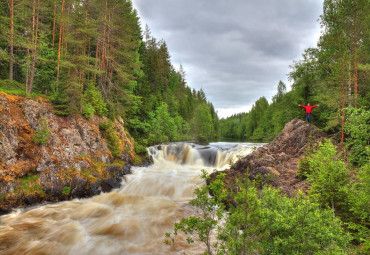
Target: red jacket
(308, 107)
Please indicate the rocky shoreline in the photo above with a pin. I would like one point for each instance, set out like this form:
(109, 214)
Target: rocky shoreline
(277, 162)
(45, 157)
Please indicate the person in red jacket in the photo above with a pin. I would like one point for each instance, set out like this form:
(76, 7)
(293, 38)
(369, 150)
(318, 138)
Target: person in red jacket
(308, 110)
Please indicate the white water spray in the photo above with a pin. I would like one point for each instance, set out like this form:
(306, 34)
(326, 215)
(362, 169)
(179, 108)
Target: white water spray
(129, 220)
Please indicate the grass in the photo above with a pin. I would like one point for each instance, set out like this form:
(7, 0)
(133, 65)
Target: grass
(30, 184)
(19, 89)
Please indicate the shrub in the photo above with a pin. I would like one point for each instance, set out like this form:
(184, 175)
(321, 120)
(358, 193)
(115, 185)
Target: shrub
(358, 129)
(12, 85)
(261, 222)
(110, 137)
(41, 136)
(88, 111)
(93, 102)
(209, 211)
(66, 190)
(299, 226)
(140, 149)
(328, 176)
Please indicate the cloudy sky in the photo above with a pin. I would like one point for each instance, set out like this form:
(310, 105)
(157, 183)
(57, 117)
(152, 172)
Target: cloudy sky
(235, 50)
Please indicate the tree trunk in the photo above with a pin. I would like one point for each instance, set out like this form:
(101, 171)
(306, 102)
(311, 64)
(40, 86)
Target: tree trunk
(355, 67)
(65, 30)
(96, 57)
(355, 60)
(34, 51)
(55, 13)
(102, 64)
(60, 38)
(349, 79)
(11, 50)
(343, 103)
(30, 48)
(27, 66)
(208, 245)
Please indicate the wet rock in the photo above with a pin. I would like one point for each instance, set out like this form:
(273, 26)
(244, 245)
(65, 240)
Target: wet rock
(125, 156)
(95, 188)
(33, 199)
(66, 165)
(126, 169)
(276, 163)
(115, 179)
(146, 161)
(78, 187)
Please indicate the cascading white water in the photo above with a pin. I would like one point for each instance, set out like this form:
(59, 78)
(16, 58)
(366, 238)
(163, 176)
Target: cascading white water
(129, 220)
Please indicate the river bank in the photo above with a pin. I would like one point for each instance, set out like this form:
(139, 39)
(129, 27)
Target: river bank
(46, 157)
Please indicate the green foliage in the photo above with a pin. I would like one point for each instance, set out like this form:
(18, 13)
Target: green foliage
(202, 123)
(299, 226)
(110, 137)
(264, 121)
(66, 190)
(324, 76)
(11, 85)
(303, 163)
(140, 149)
(242, 228)
(261, 222)
(30, 184)
(88, 110)
(113, 144)
(129, 78)
(104, 126)
(93, 102)
(209, 210)
(358, 130)
(41, 136)
(359, 204)
(328, 176)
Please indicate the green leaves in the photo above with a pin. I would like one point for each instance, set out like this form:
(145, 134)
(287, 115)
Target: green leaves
(358, 129)
(41, 136)
(93, 102)
(261, 222)
(209, 211)
(328, 176)
(299, 226)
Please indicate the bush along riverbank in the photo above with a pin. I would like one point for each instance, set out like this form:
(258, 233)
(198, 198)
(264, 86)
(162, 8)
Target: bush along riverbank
(300, 194)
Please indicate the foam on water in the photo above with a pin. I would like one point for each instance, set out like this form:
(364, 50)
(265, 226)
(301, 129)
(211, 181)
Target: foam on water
(129, 220)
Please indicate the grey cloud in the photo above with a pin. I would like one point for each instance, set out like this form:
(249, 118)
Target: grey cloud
(238, 50)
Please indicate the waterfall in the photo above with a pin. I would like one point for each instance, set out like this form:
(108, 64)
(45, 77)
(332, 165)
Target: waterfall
(216, 155)
(129, 220)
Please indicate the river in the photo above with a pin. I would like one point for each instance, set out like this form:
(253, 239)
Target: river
(129, 220)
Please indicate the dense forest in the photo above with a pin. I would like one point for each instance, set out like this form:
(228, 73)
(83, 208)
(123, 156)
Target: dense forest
(333, 216)
(91, 57)
(335, 75)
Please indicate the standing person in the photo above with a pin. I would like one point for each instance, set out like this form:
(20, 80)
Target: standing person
(308, 110)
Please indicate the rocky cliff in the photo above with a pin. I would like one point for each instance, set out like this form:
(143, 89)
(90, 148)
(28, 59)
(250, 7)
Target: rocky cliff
(45, 157)
(277, 163)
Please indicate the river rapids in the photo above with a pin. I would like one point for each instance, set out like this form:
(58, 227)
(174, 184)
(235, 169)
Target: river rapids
(129, 220)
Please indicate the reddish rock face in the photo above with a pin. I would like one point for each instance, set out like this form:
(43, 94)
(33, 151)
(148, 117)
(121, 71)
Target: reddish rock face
(277, 162)
(70, 156)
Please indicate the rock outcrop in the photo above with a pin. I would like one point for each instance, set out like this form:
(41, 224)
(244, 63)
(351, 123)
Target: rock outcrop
(276, 163)
(46, 157)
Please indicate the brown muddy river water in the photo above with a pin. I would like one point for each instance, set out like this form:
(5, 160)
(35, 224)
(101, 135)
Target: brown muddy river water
(129, 220)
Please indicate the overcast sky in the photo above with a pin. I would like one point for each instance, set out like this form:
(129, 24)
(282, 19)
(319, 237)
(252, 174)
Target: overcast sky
(235, 50)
